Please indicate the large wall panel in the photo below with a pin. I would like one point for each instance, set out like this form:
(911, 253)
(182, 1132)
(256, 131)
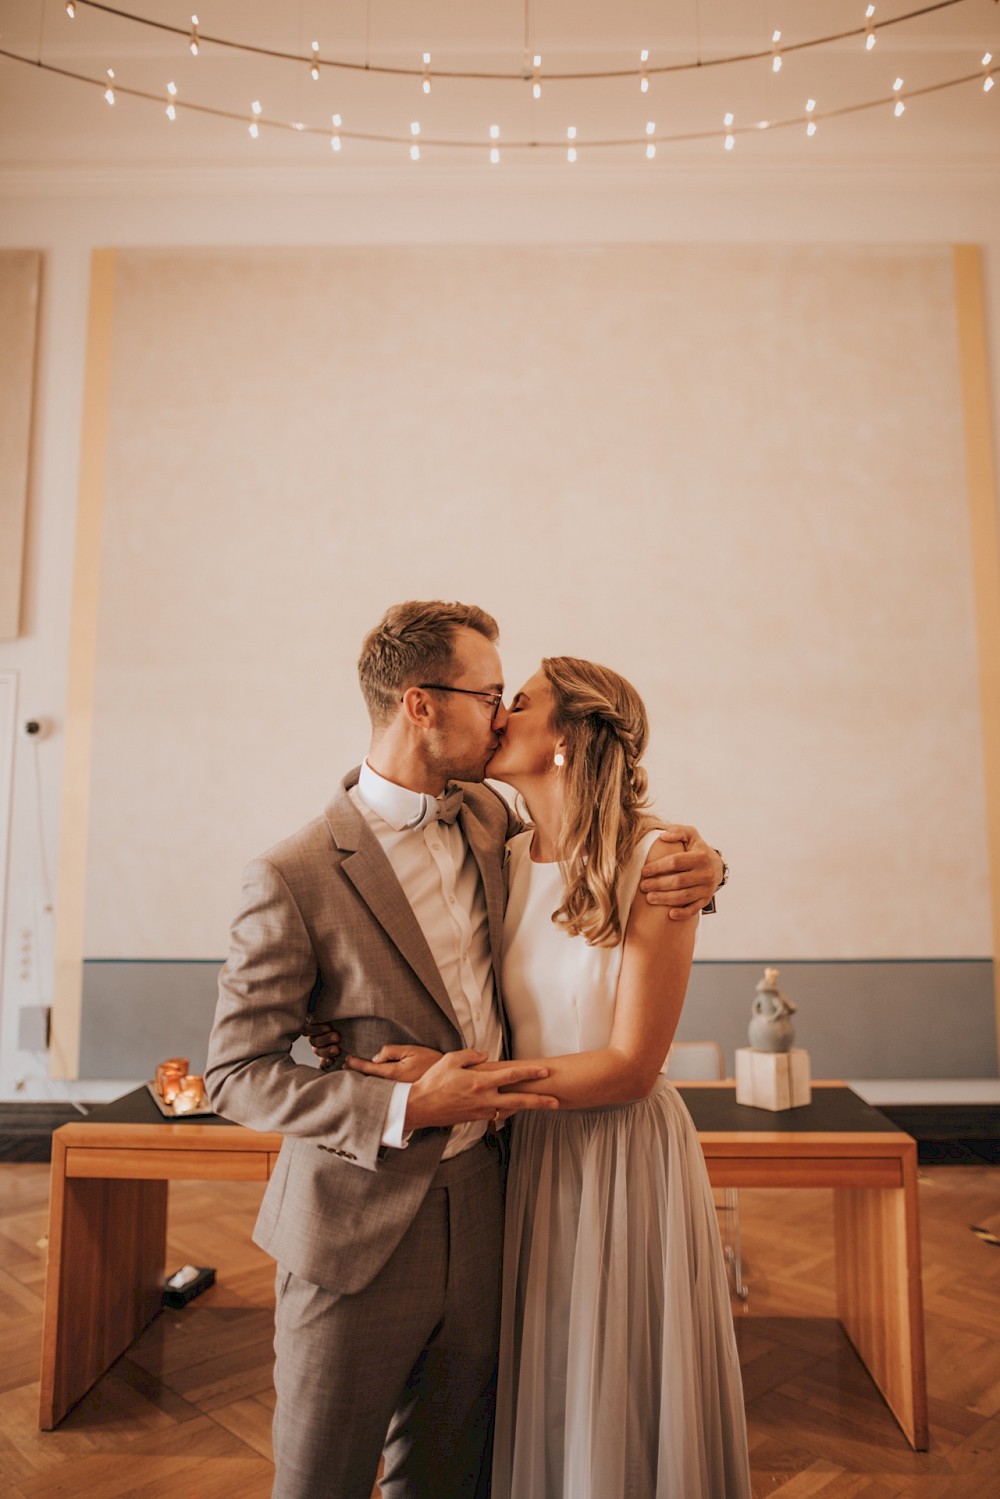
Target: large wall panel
(736, 474)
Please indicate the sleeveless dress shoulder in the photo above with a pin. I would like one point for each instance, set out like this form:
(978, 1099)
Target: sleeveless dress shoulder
(619, 1375)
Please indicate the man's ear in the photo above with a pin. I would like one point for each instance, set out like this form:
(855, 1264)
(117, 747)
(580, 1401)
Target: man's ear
(418, 708)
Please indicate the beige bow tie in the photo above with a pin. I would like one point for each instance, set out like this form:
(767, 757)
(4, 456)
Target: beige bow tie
(440, 808)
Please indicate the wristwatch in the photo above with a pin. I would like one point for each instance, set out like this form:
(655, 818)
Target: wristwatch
(709, 909)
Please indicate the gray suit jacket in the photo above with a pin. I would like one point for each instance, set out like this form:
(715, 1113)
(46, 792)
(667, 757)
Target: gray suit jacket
(323, 915)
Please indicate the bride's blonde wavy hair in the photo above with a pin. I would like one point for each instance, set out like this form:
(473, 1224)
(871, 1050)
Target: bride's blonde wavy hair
(603, 721)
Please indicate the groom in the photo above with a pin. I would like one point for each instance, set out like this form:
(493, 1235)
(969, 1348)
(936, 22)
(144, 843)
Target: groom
(384, 1212)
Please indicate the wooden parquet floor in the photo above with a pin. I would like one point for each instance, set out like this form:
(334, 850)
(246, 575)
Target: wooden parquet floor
(186, 1414)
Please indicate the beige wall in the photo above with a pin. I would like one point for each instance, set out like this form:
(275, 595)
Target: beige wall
(69, 213)
(736, 474)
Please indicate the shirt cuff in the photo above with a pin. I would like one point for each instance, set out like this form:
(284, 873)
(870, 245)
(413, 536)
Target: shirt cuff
(393, 1134)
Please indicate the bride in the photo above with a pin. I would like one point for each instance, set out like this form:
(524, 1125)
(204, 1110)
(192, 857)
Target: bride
(619, 1376)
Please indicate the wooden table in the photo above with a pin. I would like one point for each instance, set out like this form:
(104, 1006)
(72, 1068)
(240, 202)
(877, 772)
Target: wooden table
(108, 1220)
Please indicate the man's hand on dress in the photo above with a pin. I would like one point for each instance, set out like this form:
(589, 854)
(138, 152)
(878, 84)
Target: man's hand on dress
(685, 875)
(452, 1091)
(447, 1088)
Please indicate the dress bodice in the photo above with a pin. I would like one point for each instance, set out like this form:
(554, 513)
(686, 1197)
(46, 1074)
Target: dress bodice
(559, 994)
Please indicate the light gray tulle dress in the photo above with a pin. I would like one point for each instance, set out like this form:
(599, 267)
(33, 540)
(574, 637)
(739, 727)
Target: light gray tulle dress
(619, 1377)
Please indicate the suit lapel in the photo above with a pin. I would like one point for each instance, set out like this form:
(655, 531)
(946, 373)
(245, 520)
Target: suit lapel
(372, 876)
(489, 858)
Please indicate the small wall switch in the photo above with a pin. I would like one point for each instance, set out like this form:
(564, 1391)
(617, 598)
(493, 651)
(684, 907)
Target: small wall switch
(33, 1027)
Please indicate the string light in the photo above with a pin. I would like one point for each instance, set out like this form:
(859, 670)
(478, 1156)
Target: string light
(193, 44)
(536, 85)
(475, 74)
(776, 53)
(982, 74)
(414, 148)
(71, 10)
(650, 145)
(643, 76)
(314, 70)
(426, 84)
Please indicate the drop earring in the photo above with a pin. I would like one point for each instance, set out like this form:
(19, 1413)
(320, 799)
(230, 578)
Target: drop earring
(558, 758)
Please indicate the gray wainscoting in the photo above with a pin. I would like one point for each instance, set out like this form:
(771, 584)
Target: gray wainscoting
(892, 1018)
(887, 1019)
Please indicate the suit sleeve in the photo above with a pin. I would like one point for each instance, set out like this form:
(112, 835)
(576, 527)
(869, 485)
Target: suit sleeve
(264, 989)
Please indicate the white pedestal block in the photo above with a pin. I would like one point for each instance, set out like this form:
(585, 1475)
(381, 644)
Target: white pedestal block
(773, 1080)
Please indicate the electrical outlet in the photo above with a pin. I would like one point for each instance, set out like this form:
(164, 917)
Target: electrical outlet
(25, 954)
(33, 1023)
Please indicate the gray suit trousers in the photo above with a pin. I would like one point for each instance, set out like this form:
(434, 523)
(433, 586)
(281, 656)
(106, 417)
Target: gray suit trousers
(408, 1363)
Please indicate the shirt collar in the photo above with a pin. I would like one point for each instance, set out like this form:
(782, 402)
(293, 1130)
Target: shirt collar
(400, 807)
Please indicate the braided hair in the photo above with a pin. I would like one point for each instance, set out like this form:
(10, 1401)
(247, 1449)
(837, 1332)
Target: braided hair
(603, 720)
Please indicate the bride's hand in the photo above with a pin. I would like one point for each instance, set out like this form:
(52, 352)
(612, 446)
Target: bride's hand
(400, 1064)
(325, 1042)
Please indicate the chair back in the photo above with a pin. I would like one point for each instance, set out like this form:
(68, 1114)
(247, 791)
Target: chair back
(695, 1062)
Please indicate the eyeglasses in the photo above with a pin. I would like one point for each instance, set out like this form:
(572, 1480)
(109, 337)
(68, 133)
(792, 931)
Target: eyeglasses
(495, 699)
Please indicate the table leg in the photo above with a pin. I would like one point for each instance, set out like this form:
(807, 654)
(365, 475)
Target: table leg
(879, 1301)
(104, 1282)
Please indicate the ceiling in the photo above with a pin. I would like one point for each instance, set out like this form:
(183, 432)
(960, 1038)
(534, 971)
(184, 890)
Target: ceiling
(50, 121)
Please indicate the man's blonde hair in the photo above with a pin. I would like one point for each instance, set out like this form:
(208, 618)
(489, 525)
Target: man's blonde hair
(413, 643)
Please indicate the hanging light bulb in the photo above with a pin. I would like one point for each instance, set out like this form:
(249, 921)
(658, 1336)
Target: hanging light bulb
(314, 70)
(194, 36)
(870, 37)
(71, 10)
(494, 149)
(171, 112)
(335, 120)
(254, 127)
(650, 144)
(109, 92)
(643, 76)
(536, 82)
(571, 148)
(988, 81)
(426, 84)
(776, 53)
(730, 139)
(414, 147)
(811, 126)
(899, 107)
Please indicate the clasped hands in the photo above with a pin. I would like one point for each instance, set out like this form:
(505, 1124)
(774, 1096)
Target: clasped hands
(452, 1087)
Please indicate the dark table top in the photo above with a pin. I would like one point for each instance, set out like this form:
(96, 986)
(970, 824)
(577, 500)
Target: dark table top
(834, 1110)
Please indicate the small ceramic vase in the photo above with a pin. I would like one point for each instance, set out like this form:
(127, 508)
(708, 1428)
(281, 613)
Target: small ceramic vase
(771, 1027)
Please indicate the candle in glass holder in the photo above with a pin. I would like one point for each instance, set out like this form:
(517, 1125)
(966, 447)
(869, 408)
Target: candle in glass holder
(190, 1095)
(169, 1076)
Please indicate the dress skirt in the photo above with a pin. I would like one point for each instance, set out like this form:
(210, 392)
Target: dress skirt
(619, 1376)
